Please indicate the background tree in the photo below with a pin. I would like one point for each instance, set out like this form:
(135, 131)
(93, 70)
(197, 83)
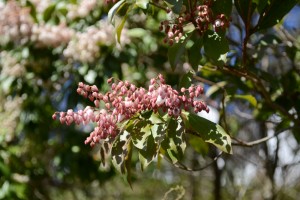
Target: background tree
(245, 54)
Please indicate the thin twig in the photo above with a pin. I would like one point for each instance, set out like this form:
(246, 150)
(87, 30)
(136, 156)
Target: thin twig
(158, 6)
(183, 167)
(252, 143)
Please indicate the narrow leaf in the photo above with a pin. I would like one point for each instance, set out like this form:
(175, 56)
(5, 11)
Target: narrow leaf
(251, 99)
(48, 12)
(114, 10)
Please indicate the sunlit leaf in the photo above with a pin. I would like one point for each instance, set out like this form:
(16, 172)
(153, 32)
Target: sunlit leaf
(119, 151)
(209, 131)
(147, 156)
(140, 134)
(158, 132)
(142, 3)
(251, 99)
(118, 6)
(174, 143)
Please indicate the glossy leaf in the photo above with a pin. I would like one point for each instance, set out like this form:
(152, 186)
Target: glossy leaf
(274, 12)
(176, 52)
(216, 47)
(194, 52)
(114, 10)
(209, 131)
(245, 9)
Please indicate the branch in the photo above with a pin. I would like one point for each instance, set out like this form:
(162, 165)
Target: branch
(183, 167)
(261, 89)
(158, 6)
(250, 144)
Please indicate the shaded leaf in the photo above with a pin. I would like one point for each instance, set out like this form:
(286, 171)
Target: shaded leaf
(223, 7)
(176, 52)
(198, 144)
(194, 52)
(186, 80)
(48, 12)
(176, 5)
(209, 131)
(215, 46)
(274, 12)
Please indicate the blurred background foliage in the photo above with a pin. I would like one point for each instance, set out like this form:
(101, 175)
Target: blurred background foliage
(47, 47)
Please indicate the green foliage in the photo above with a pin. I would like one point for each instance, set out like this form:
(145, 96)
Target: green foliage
(251, 74)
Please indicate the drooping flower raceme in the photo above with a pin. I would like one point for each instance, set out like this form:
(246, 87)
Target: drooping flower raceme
(124, 100)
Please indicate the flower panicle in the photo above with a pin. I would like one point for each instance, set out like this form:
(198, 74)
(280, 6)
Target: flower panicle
(124, 100)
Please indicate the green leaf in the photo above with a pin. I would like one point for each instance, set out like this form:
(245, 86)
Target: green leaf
(140, 134)
(105, 150)
(128, 158)
(251, 99)
(174, 143)
(209, 131)
(186, 80)
(198, 144)
(147, 156)
(155, 118)
(214, 88)
(114, 10)
(274, 12)
(216, 47)
(194, 52)
(176, 52)
(158, 132)
(176, 5)
(33, 12)
(121, 25)
(49, 12)
(120, 151)
(223, 7)
(244, 9)
(142, 3)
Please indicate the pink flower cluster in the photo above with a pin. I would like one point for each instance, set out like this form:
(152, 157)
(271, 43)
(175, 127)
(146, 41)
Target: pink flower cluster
(125, 100)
